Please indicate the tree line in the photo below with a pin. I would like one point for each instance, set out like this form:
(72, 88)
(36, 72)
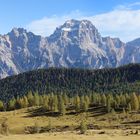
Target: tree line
(60, 103)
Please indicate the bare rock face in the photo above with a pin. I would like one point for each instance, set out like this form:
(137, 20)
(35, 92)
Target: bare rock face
(74, 44)
(132, 52)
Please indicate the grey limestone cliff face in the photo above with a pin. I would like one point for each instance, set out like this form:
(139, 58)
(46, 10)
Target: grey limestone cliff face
(74, 44)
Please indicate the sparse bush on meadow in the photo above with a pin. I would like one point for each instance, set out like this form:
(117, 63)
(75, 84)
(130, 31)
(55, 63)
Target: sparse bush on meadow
(83, 127)
(4, 128)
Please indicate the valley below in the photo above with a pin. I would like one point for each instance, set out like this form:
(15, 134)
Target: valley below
(71, 104)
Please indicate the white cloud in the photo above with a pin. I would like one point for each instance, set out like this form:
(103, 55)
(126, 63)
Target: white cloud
(122, 22)
(47, 25)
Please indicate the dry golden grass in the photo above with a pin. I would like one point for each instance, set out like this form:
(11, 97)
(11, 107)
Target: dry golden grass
(18, 120)
(68, 136)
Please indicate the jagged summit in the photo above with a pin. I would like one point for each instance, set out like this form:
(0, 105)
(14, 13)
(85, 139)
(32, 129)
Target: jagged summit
(21, 30)
(76, 43)
(17, 31)
(76, 31)
(76, 25)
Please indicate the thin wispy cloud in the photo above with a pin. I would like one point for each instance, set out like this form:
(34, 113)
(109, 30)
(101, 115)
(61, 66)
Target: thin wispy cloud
(134, 4)
(129, 6)
(122, 22)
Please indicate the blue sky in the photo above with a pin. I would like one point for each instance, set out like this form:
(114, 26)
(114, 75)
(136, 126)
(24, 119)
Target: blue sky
(117, 18)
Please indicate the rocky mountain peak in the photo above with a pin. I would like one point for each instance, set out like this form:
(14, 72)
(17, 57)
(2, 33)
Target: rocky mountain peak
(77, 32)
(76, 25)
(17, 31)
(76, 43)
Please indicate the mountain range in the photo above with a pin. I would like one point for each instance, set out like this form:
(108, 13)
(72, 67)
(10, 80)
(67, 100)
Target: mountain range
(75, 44)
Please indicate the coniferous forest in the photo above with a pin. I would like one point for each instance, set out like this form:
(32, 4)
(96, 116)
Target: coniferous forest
(110, 87)
(123, 80)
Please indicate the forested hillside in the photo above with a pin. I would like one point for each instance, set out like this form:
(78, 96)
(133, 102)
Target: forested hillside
(72, 81)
